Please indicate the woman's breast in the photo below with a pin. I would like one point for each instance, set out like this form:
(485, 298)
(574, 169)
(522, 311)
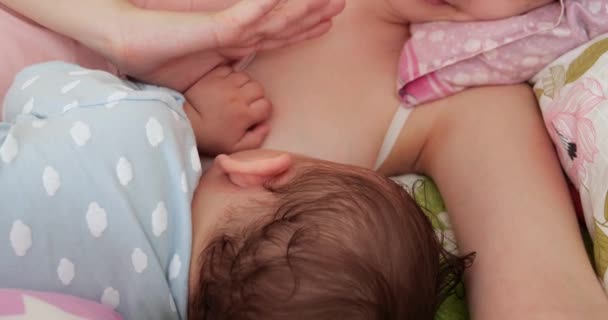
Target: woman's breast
(333, 97)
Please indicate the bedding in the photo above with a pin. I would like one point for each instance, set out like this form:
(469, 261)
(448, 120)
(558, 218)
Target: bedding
(573, 97)
(443, 58)
(22, 304)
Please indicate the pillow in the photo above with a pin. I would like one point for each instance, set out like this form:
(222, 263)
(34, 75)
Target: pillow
(573, 97)
(25, 43)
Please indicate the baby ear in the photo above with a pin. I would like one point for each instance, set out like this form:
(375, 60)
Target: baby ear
(254, 173)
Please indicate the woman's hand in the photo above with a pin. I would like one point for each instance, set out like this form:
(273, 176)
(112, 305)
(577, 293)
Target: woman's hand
(166, 39)
(159, 45)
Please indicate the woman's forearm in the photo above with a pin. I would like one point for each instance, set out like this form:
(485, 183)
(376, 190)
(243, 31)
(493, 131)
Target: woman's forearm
(91, 22)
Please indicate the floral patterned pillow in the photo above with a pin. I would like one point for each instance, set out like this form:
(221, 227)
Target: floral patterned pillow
(573, 97)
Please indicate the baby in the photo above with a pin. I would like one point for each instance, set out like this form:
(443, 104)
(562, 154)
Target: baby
(101, 199)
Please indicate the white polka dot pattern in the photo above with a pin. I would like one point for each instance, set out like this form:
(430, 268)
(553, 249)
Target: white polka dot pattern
(472, 45)
(66, 271)
(21, 238)
(154, 132)
(70, 86)
(175, 267)
(29, 106)
(51, 180)
(110, 297)
(9, 149)
(97, 219)
(81, 133)
(124, 171)
(29, 82)
(139, 260)
(160, 219)
(72, 105)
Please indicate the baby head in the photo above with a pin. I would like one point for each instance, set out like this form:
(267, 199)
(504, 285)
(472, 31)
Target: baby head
(320, 241)
(463, 10)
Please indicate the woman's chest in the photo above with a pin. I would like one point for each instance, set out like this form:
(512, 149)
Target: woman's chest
(334, 97)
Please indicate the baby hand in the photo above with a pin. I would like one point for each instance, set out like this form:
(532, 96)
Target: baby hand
(228, 112)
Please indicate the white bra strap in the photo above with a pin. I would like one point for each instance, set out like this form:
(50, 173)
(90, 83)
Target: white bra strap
(392, 134)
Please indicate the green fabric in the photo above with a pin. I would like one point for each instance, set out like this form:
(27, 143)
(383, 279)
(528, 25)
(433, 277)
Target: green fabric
(426, 194)
(454, 307)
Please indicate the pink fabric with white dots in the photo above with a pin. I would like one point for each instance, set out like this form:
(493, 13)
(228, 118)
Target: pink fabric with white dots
(443, 58)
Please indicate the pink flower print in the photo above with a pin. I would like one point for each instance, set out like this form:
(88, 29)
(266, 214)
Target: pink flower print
(571, 129)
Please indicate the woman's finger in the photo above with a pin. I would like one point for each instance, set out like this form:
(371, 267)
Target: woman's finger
(235, 20)
(302, 26)
(315, 32)
(290, 13)
(272, 44)
(324, 14)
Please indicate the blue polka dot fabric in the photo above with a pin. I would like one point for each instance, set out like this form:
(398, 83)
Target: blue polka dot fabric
(97, 176)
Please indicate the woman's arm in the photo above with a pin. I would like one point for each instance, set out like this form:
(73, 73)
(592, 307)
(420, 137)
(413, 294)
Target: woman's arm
(145, 42)
(497, 170)
(91, 22)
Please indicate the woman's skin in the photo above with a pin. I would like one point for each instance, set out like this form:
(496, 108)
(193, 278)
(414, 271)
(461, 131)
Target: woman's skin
(491, 157)
(486, 148)
(175, 49)
(498, 173)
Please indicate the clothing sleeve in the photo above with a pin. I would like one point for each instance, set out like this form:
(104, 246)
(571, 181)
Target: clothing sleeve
(57, 95)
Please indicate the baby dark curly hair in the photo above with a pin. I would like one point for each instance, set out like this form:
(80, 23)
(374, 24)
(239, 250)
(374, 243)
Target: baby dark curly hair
(340, 243)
